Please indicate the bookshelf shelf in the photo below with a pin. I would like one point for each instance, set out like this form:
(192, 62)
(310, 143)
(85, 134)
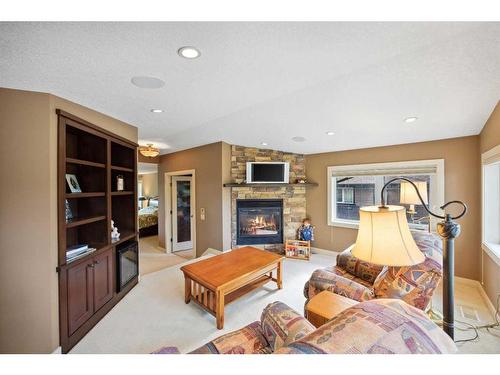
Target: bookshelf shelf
(84, 220)
(123, 169)
(85, 195)
(122, 193)
(85, 162)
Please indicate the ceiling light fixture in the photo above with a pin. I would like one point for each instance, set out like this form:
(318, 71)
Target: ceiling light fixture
(157, 110)
(298, 139)
(189, 52)
(263, 143)
(149, 151)
(409, 120)
(330, 133)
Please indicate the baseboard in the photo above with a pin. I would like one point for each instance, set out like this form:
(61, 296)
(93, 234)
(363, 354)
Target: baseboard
(58, 350)
(316, 250)
(476, 284)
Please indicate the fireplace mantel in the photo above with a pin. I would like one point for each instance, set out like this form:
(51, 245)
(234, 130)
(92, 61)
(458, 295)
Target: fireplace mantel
(235, 185)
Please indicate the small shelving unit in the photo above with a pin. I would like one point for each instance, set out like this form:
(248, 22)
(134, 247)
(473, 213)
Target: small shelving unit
(87, 284)
(297, 249)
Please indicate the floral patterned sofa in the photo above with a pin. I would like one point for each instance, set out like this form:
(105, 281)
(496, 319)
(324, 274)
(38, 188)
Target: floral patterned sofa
(363, 281)
(377, 326)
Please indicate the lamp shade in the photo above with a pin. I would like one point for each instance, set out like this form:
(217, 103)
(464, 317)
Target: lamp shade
(408, 194)
(384, 237)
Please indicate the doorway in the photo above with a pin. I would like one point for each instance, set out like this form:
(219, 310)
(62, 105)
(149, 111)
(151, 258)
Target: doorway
(180, 209)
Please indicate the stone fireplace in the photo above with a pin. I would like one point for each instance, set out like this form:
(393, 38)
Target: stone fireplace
(292, 197)
(259, 221)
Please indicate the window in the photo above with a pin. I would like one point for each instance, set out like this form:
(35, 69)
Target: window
(354, 186)
(345, 195)
(491, 202)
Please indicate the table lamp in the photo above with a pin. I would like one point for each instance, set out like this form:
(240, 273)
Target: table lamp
(384, 238)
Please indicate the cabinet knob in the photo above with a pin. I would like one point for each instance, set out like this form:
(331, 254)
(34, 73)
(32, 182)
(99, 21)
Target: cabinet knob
(96, 262)
(90, 265)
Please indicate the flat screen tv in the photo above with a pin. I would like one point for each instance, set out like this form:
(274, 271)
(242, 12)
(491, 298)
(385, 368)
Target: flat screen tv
(268, 172)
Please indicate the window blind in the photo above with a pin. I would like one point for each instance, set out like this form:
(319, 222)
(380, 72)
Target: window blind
(385, 171)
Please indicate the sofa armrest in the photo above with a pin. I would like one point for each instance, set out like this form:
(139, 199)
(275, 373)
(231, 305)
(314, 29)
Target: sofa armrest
(247, 340)
(281, 325)
(325, 280)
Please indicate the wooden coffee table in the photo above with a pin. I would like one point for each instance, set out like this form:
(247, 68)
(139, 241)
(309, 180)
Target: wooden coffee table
(217, 281)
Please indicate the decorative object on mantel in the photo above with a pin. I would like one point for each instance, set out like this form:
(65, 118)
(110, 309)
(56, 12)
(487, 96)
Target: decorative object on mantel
(244, 184)
(115, 235)
(73, 184)
(120, 182)
(301, 181)
(384, 238)
(149, 151)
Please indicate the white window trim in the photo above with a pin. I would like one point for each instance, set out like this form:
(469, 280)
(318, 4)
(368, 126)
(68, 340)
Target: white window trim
(490, 248)
(437, 195)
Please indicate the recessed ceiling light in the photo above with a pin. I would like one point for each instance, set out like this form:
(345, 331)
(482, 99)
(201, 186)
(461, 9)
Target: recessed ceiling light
(147, 82)
(409, 120)
(189, 52)
(330, 133)
(263, 143)
(157, 110)
(298, 139)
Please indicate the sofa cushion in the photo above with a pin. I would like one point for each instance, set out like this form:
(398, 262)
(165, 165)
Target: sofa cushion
(382, 326)
(323, 279)
(248, 340)
(414, 284)
(367, 272)
(282, 325)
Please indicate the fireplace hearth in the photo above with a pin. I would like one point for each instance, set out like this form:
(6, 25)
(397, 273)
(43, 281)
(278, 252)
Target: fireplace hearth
(259, 221)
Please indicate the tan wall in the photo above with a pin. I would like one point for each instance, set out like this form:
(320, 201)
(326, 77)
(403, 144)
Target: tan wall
(462, 161)
(29, 320)
(150, 184)
(207, 163)
(489, 138)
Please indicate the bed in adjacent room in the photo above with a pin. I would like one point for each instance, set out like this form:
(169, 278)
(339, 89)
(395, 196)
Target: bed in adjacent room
(148, 219)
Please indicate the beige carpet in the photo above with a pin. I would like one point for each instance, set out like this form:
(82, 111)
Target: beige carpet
(154, 314)
(153, 258)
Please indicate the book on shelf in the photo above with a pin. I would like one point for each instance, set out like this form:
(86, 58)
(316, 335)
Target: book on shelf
(73, 255)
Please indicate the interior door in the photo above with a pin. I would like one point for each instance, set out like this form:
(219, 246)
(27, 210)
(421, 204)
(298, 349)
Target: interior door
(182, 213)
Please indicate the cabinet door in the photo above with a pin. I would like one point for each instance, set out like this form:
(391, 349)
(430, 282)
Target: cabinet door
(103, 278)
(80, 295)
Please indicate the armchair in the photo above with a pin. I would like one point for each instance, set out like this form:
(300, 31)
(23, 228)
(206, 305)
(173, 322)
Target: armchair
(363, 281)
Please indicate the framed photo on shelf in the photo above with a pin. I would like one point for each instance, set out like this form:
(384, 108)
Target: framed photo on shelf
(73, 184)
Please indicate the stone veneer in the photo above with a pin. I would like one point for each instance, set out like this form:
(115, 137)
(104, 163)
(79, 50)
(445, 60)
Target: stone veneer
(294, 197)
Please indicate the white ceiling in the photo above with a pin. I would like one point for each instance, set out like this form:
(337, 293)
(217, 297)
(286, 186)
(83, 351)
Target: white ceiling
(268, 82)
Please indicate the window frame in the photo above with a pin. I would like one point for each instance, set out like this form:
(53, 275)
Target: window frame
(488, 158)
(436, 193)
(343, 195)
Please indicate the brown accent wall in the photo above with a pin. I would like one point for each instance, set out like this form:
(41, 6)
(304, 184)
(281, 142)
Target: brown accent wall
(29, 312)
(489, 138)
(207, 162)
(462, 174)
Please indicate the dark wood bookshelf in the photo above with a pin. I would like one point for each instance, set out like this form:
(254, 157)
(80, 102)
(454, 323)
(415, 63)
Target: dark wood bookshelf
(88, 284)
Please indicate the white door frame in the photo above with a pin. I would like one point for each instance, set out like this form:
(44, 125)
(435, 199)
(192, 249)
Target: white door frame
(168, 206)
(186, 245)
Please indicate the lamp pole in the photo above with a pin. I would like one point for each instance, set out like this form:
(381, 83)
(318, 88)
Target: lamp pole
(448, 229)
